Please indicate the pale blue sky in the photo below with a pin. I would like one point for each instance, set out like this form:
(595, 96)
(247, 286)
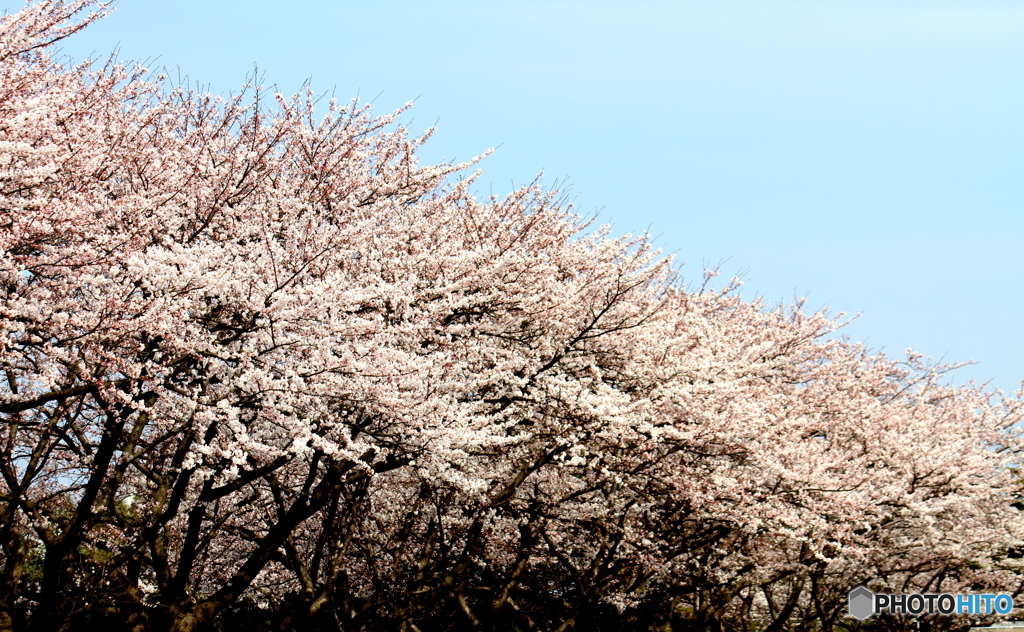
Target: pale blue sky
(867, 155)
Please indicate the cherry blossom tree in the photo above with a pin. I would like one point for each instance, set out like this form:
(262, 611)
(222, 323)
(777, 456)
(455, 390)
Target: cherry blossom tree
(255, 356)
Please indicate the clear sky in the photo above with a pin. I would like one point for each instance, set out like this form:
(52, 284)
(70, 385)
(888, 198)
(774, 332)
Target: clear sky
(868, 155)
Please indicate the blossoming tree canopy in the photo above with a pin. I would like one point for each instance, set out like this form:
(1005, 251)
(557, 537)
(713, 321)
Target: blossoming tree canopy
(255, 353)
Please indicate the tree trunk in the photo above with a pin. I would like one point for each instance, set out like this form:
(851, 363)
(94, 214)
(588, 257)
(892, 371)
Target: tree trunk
(48, 613)
(188, 619)
(16, 551)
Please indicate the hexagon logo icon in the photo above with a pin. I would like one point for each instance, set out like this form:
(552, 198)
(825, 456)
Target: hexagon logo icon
(861, 603)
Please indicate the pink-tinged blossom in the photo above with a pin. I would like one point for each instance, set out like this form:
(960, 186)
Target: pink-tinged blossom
(254, 352)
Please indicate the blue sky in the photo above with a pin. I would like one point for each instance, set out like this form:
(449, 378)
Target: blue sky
(867, 155)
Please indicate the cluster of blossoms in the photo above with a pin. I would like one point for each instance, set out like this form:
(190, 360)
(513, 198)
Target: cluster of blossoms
(254, 357)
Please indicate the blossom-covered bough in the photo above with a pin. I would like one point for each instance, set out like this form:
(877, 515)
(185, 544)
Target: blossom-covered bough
(261, 363)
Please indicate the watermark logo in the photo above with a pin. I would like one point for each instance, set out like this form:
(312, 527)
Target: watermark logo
(864, 604)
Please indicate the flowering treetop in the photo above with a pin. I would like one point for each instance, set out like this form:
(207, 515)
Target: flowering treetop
(246, 343)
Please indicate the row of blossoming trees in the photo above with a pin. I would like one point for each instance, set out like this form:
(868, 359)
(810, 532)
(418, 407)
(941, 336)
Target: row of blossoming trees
(261, 368)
